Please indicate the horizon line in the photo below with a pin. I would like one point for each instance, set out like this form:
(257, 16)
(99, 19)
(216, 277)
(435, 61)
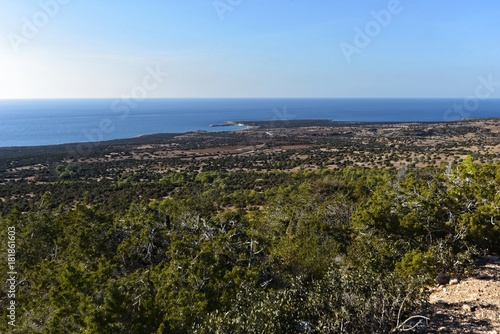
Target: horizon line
(243, 98)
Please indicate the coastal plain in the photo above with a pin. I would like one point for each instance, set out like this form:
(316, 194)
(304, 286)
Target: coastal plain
(285, 145)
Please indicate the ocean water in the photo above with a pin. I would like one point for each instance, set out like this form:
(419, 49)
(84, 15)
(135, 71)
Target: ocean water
(45, 122)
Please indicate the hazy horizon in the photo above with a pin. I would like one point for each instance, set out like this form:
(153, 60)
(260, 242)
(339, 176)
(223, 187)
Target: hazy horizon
(251, 98)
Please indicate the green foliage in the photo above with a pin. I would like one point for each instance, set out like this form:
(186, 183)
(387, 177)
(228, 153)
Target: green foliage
(245, 251)
(340, 302)
(417, 264)
(68, 171)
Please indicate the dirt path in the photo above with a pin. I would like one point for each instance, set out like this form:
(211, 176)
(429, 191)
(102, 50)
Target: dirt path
(472, 305)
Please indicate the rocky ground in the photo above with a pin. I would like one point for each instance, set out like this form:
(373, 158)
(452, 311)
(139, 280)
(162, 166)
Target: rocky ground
(470, 306)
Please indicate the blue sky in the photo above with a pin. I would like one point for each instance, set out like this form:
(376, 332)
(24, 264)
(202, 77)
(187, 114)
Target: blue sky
(247, 48)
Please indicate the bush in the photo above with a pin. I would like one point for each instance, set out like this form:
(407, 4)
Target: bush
(351, 302)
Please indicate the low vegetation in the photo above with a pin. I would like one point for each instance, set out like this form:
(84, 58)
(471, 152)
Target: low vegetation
(119, 246)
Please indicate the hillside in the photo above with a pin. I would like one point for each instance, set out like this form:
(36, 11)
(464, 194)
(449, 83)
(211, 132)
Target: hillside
(338, 228)
(472, 305)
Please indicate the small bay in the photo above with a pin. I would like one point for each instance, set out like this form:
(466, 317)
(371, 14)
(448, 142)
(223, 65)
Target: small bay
(46, 122)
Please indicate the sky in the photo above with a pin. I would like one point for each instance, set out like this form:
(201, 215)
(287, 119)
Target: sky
(248, 48)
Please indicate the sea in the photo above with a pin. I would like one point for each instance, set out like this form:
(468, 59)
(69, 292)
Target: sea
(48, 122)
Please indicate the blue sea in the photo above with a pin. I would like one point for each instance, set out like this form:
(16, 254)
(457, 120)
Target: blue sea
(45, 122)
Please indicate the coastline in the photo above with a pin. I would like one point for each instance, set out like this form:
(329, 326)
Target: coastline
(53, 122)
(246, 126)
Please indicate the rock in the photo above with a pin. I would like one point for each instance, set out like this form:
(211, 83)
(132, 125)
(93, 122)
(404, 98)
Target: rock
(468, 308)
(442, 279)
(454, 281)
